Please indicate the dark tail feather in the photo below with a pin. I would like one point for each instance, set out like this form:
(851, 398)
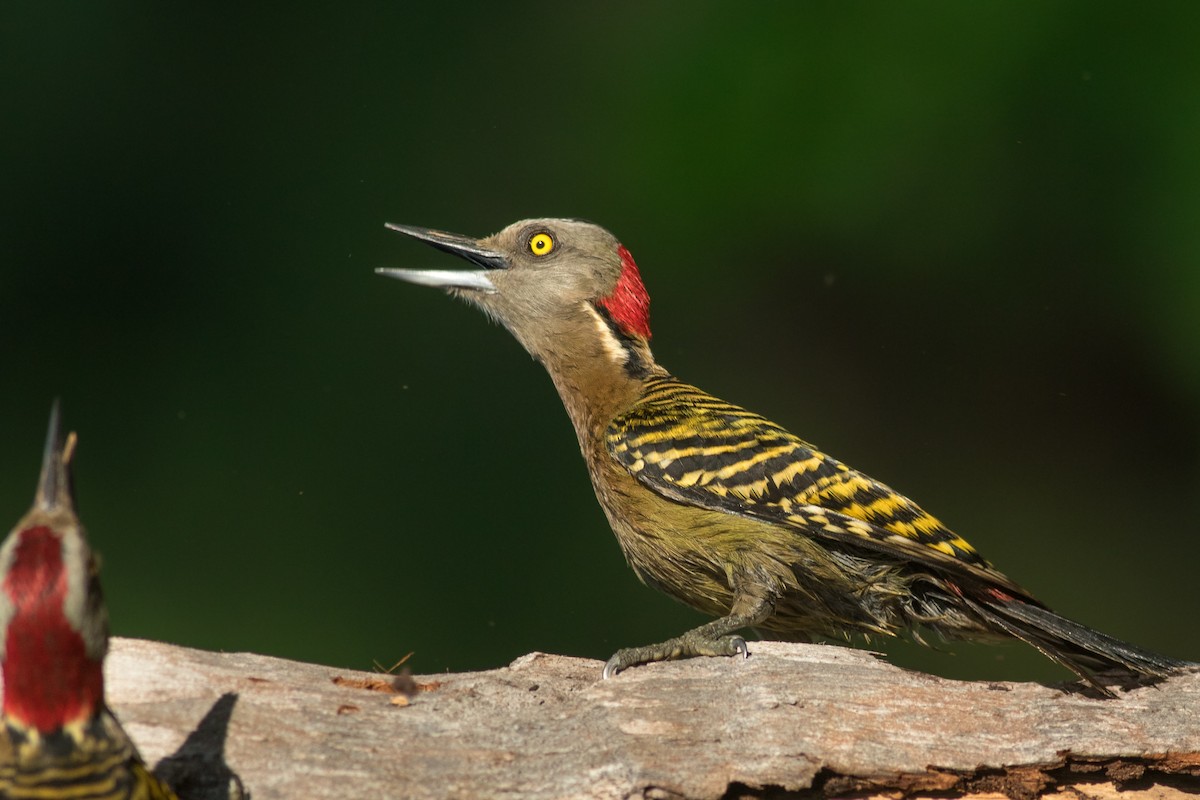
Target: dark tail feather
(1080, 649)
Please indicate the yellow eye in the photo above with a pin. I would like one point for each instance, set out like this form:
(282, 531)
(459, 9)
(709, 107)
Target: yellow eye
(541, 244)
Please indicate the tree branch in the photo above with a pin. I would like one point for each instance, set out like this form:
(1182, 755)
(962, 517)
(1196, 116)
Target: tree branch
(814, 720)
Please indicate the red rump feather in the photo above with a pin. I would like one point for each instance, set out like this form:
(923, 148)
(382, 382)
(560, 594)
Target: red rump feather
(49, 679)
(629, 304)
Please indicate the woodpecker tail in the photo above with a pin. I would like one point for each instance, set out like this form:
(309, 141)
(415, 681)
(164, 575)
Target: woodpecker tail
(1086, 652)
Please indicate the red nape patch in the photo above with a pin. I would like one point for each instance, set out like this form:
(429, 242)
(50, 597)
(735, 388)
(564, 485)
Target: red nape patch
(49, 679)
(629, 305)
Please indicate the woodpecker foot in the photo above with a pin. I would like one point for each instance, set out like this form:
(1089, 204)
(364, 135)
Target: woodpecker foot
(692, 643)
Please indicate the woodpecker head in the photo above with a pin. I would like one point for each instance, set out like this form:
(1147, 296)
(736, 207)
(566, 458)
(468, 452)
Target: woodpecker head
(544, 279)
(53, 626)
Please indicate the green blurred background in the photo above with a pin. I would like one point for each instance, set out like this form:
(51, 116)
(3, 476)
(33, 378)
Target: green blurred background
(956, 245)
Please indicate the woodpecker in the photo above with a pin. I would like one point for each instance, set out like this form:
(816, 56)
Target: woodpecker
(59, 739)
(723, 509)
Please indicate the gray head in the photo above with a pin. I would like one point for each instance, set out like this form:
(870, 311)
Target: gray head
(542, 278)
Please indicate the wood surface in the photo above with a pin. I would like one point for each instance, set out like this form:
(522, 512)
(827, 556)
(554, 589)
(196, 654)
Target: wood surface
(793, 720)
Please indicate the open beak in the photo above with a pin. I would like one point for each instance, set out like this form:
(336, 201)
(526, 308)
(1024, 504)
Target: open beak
(461, 246)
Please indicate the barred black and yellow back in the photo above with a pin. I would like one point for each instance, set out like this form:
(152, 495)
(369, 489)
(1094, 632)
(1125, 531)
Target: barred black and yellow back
(721, 508)
(684, 442)
(94, 762)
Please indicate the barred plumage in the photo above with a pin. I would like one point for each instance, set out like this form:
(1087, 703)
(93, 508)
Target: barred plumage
(721, 508)
(687, 444)
(97, 763)
(58, 740)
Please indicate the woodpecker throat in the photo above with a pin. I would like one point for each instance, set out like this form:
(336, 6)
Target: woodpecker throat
(725, 510)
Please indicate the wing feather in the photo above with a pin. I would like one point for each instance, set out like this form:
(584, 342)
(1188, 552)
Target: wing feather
(689, 446)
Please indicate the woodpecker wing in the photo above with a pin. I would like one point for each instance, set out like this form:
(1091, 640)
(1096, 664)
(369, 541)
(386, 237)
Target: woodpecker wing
(689, 446)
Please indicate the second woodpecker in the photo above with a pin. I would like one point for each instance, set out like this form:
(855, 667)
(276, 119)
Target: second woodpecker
(58, 739)
(723, 509)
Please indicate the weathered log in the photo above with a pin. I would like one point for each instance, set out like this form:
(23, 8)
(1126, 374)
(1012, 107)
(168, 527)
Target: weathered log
(814, 720)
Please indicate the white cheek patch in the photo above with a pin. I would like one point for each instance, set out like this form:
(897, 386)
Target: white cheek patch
(6, 604)
(613, 348)
(77, 606)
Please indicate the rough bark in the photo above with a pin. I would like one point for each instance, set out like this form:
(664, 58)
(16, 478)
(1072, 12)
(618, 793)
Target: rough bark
(791, 721)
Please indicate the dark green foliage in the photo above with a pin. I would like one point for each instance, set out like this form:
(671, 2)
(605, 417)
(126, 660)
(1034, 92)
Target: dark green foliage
(976, 221)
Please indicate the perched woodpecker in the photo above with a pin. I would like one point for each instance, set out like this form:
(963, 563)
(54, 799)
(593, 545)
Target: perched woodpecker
(723, 509)
(59, 738)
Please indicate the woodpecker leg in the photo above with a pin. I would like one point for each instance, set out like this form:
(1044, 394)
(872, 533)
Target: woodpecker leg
(716, 638)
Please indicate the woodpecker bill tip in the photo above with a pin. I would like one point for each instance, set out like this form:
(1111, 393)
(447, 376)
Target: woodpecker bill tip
(461, 246)
(54, 484)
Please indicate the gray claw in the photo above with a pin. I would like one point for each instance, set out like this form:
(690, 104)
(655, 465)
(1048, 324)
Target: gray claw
(610, 669)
